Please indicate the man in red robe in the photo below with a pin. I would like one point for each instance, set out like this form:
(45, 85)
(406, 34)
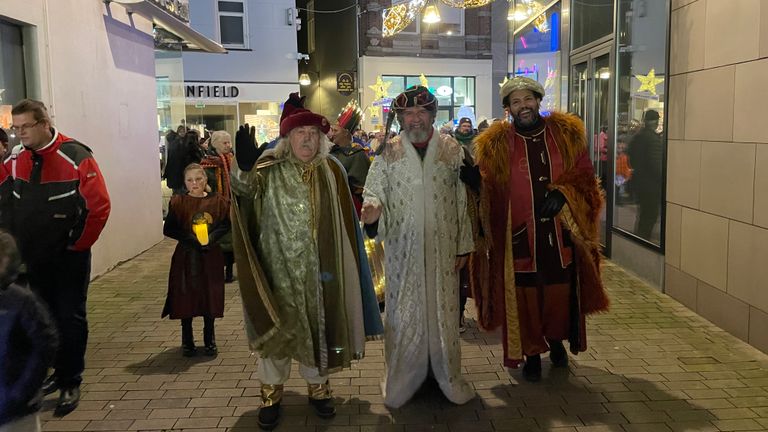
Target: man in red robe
(539, 211)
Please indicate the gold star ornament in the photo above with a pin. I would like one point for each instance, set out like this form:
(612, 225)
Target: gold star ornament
(423, 81)
(649, 82)
(380, 88)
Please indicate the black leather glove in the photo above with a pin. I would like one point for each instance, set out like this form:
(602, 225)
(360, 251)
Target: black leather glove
(470, 175)
(246, 150)
(553, 203)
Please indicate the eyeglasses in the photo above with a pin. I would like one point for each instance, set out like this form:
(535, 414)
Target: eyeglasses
(22, 128)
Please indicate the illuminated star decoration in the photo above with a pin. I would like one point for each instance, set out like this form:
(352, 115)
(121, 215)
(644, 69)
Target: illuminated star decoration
(423, 81)
(374, 111)
(649, 82)
(380, 88)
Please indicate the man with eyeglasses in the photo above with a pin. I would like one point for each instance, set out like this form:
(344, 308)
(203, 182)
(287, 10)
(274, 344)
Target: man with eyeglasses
(54, 201)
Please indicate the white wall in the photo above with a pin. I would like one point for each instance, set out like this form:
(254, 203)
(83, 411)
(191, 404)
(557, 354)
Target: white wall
(372, 67)
(96, 73)
(271, 56)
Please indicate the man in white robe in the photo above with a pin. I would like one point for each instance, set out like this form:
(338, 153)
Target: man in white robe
(415, 202)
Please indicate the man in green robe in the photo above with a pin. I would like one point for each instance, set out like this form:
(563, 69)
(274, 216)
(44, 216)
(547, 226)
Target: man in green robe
(305, 284)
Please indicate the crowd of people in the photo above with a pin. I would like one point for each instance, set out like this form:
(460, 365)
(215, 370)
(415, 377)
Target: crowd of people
(506, 213)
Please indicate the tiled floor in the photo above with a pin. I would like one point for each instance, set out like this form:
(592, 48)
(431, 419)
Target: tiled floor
(652, 366)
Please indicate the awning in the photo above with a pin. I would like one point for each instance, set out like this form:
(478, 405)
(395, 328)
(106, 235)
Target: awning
(193, 40)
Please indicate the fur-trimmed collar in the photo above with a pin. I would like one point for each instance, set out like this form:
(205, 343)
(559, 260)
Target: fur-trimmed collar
(492, 146)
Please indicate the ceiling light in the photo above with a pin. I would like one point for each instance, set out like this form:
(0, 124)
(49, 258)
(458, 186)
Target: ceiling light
(304, 79)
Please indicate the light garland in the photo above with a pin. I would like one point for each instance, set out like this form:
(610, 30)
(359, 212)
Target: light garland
(397, 18)
(466, 4)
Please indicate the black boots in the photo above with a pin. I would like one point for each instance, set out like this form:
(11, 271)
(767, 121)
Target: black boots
(68, 401)
(187, 340)
(557, 354)
(229, 261)
(209, 337)
(269, 413)
(532, 368)
(321, 399)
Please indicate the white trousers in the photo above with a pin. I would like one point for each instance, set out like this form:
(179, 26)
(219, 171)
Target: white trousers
(30, 423)
(277, 371)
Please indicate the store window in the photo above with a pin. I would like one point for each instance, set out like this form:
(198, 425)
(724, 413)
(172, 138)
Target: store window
(233, 25)
(455, 95)
(640, 131)
(593, 19)
(537, 50)
(264, 116)
(13, 85)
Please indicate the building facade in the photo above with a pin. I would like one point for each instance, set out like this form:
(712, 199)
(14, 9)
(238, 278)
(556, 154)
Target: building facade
(249, 83)
(717, 211)
(453, 56)
(103, 95)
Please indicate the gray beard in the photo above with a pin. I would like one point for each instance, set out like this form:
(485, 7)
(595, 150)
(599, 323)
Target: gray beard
(417, 136)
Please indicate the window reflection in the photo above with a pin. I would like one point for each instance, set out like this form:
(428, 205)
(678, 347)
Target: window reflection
(640, 138)
(537, 51)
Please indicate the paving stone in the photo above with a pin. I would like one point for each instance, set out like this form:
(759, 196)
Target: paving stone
(652, 365)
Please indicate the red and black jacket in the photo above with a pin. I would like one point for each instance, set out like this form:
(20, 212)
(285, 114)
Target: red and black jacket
(53, 199)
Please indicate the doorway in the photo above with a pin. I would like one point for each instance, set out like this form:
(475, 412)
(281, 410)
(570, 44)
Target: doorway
(591, 98)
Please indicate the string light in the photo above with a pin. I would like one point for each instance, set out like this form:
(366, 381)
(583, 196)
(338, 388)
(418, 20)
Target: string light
(466, 4)
(398, 17)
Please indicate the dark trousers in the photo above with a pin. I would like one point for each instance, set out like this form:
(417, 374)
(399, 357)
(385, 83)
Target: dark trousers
(62, 283)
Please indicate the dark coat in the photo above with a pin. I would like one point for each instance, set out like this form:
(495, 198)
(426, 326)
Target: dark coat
(196, 279)
(27, 348)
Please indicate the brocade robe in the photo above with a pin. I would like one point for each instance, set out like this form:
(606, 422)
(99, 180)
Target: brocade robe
(306, 283)
(424, 226)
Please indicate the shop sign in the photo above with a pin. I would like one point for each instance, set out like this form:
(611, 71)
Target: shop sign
(345, 83)
(211, 91)
(385, 102)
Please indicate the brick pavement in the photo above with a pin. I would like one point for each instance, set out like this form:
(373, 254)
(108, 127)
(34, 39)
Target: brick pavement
(652, 365)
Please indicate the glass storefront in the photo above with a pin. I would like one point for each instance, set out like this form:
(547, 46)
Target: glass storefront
(264, 116)
(455, 95)
(536, 48)
(592, 20)
(640, 133)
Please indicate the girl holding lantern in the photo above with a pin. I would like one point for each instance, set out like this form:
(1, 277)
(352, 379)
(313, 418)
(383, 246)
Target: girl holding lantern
(198, 220)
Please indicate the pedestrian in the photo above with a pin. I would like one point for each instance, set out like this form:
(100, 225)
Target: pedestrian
(197, 220)
(218, 165)
(181, 153)
(540, 205)
(415, 202)
(3, 143)
(59, 207)
(27, 345)
(304, 278)
(465, 135)
(352, 155)
(646, 154)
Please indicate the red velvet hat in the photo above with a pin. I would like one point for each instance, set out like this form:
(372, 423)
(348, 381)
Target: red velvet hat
(293, 103)
(303, 117)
